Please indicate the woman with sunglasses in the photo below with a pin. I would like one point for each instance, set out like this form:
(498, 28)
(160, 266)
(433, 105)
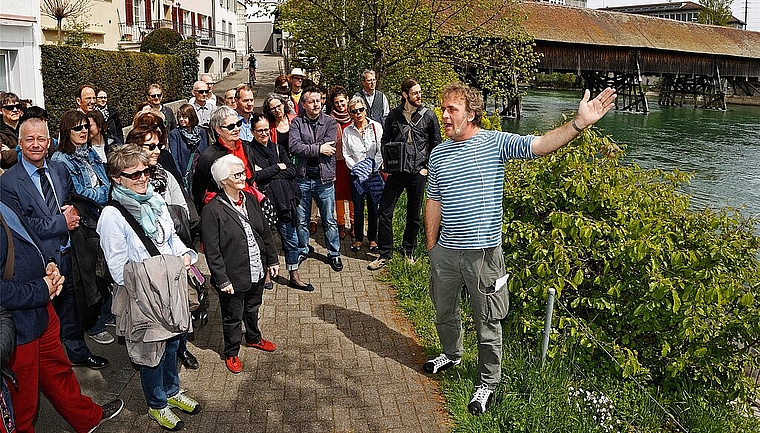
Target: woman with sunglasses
(153, 118)
(187, 143)
(12, 109)
(280, 115)
(113, 127)
(275, 176)
(240, 254)
(126, 253)
(88, 173)
(225, 127)
(99, 139)
(361, 149)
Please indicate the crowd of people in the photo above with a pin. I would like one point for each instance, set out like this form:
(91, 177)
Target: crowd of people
(218, 172)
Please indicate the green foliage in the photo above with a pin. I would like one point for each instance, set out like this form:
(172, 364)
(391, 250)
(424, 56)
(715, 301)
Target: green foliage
(715, 12)
(667, 291)
(160, 41)
(187, 50)
(396, 38)
(125, 75)
(556, 80)
(76, 32)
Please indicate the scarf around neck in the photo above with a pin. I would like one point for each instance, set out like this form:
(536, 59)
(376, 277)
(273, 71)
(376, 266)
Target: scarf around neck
(146, 208)
(341, 117)
(192, 137)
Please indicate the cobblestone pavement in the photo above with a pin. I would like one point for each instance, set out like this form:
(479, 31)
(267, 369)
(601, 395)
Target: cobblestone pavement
(345, 361)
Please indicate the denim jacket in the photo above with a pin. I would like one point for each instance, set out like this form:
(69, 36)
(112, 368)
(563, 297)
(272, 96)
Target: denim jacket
(79, 175)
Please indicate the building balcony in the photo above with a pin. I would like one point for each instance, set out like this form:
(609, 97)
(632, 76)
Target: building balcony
(139, 29)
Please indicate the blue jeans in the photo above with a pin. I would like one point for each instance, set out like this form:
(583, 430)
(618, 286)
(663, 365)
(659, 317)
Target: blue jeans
(289, 235)
(324, 195)
(161, 381)
(103, 318)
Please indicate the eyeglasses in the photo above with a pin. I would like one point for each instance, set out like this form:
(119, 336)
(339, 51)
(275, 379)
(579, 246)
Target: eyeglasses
(79, 128)
(102, 97)
(276, 107)
(261, 131)
(202, 92)
(138, 174)
(156, 96)
(357, 110)
(153, 146)
(232, 126)
(239, 175)
(18, 106)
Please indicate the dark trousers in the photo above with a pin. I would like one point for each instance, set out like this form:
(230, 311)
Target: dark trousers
(414, 184)
(238, 307)
(358, 200)
(72, 334)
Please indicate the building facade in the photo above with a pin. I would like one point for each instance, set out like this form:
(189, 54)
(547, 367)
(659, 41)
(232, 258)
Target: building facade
(20, 40)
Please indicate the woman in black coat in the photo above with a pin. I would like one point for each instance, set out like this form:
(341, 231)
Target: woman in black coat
(239, 252)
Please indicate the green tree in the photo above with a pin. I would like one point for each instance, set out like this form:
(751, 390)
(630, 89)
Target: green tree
(398, 39)
(715, 12)
(76, 33)
(62, 9)
(160, 41)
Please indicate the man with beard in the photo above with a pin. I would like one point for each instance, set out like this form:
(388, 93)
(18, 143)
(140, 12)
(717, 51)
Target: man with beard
(415, 127)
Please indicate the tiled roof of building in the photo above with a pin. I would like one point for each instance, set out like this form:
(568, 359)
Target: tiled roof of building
(548, 22)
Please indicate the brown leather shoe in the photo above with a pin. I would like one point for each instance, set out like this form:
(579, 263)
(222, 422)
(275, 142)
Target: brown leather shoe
(342, 231)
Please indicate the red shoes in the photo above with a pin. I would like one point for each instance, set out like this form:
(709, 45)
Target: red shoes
(233, 364)
(264, 345)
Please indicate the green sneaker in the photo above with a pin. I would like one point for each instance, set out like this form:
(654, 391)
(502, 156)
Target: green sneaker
(184, 403)
(166, 418)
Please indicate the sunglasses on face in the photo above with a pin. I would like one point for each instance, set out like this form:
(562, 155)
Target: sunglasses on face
(202, 92)
(156, 96)
(152, 146)
(239, 175)
(18, 106)
(232, 126)
(357, 110)
(276, 107)
(79, 128)
(102, 97)
(137, 174)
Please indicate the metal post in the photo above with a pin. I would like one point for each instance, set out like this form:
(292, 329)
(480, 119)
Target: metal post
(547, 325)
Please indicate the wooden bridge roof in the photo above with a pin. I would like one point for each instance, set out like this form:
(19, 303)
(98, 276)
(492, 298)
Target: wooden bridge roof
(573, 25)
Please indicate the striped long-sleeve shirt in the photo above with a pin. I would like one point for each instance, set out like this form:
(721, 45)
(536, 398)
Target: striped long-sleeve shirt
(467, 177)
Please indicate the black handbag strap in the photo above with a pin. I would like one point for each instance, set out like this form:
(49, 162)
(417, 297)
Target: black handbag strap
(149, 245)
(10, 258)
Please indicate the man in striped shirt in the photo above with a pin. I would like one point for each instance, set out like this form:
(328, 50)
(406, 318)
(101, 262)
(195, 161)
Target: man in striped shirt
(463, 215)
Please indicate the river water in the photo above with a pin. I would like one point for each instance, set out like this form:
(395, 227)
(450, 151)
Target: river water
(721, 148)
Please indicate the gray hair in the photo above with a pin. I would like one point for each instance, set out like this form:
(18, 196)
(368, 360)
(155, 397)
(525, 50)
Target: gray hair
(217, 119)
(124, 156)
(356, 100)
(368, 71)
(222, 167)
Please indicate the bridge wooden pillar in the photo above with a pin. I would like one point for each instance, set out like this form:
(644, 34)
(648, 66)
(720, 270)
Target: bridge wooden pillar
(631, 95)
(675, 89)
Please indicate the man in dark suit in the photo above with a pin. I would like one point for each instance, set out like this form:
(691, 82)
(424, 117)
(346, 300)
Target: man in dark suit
(36, 190)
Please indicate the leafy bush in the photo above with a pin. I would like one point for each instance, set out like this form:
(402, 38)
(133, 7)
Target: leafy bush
(667, 291)
(160, 41)
(124, 75)
(187, 51)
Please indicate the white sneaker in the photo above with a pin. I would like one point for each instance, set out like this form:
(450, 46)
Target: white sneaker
(102, 337)
(481, 399)
(439, 363)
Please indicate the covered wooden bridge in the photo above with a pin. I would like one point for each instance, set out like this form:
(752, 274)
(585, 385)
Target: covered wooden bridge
(696, 62)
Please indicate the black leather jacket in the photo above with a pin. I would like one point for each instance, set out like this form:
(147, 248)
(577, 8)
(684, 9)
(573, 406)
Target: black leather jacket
(426, 133)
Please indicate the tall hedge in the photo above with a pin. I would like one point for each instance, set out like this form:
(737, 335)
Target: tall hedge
(124, 75)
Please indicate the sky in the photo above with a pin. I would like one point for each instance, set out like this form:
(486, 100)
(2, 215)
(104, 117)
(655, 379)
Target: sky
(753, 8)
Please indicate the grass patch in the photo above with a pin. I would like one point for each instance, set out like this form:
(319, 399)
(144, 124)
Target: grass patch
(561, 396)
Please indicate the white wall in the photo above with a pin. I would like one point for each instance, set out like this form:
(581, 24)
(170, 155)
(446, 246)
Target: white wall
(20, 39)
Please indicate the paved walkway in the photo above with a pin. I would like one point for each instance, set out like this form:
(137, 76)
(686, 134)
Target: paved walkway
(345, 362)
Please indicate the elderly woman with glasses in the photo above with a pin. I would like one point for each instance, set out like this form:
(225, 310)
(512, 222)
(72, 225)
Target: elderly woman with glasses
(275, 175)
(82, 161)
(187, 143)
(141, 221)
(225, 140)
(361, 150)
(12, 109)
(240, 253)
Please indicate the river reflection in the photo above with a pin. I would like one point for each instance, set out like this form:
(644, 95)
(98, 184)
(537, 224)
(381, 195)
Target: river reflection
(722, 148)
